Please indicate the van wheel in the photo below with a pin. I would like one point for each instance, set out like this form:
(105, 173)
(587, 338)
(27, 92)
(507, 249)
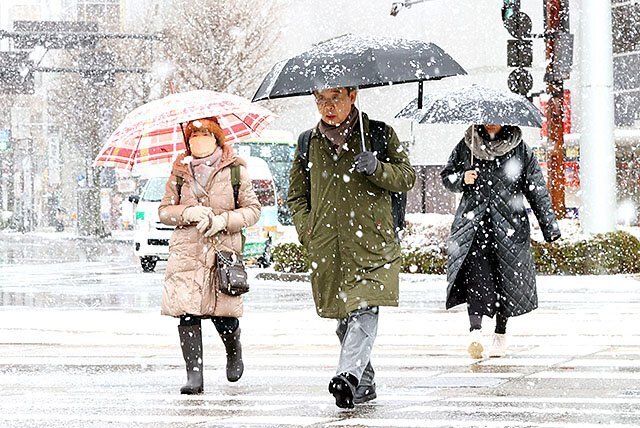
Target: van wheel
(148, 264)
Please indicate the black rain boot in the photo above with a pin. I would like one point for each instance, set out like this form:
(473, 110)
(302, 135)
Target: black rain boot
(191, 344)
(235, 366)
(343, 388)
(365, 393)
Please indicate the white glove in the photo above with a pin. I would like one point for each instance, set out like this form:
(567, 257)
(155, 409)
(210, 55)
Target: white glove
(217, 224)
(196, 214)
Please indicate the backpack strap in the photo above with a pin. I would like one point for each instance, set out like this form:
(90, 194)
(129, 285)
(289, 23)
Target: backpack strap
(378, 132)
(304, 139)
(379, 144)
(235, 183)
(179, 183)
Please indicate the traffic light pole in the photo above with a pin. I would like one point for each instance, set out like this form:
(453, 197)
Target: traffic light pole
(556, 12)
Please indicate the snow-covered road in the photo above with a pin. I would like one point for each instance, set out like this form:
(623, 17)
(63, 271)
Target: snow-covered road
(82, 344)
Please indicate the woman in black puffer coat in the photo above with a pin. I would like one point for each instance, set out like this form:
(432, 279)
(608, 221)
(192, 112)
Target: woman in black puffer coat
(490, 266)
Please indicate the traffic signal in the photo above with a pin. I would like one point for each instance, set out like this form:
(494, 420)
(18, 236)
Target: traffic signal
(626, 32)
(520, 81)
(562, 60)
(517, 23)
(519, 49)
(510, 8)
(519, 53)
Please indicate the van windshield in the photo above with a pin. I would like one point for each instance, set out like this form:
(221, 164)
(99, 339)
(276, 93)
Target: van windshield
(154, 190)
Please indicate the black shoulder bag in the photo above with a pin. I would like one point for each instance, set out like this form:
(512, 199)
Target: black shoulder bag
(232, 276)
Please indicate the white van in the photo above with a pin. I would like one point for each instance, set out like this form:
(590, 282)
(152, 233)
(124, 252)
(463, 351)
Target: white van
(151, 239)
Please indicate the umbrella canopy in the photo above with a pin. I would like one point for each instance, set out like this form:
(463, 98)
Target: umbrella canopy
(474, 105)
(151, 133)
(357, 61)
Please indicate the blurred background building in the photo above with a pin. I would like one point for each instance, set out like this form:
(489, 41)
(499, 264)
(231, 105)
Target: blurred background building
(51, 123)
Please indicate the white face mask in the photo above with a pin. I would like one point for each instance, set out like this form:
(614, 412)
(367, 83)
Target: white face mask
(202, 145)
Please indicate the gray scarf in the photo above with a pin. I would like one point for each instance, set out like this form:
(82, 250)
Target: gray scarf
(490, 149)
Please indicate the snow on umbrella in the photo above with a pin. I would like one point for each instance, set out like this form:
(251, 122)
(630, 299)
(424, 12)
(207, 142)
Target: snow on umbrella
(363, 62)
(151, 133)
(474, 105)
(357, 61)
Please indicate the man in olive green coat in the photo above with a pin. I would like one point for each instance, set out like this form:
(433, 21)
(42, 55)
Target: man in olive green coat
(344, 219)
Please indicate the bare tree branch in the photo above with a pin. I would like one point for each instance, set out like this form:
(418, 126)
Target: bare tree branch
(220, 45)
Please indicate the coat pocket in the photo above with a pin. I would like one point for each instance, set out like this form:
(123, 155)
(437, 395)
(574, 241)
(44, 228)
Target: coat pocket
(308, 229)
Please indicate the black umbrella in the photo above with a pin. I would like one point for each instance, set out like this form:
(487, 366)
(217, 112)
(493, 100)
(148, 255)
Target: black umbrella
(474, 105)
(357, 61)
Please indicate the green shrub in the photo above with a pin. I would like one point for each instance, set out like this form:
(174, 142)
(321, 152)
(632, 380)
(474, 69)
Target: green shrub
(611, 253)
(424, 261)
(606, 254)
(290, 257)
(293, 258)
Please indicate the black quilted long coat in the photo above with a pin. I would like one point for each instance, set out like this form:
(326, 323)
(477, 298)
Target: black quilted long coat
(499, 192)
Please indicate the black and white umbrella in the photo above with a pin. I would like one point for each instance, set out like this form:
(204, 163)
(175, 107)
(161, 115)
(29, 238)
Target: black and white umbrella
(357, 61)
(474, 105)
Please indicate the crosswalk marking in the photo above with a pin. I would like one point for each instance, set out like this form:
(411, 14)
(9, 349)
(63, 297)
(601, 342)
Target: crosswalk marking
(449, 423)
(510, 409)
(124, 368)
(585, 375)
(550, 400)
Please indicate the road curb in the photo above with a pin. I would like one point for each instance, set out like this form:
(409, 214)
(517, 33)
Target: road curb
(283, 276)
(17, 236)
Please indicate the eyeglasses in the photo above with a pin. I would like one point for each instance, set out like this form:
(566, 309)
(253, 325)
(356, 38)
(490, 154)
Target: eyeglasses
(334, 100)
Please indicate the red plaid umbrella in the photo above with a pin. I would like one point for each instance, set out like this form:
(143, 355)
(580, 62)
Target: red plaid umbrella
(151, 133)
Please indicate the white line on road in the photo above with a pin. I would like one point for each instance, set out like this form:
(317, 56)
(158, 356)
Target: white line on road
(448, 423)
(474, 410)
(585, 375)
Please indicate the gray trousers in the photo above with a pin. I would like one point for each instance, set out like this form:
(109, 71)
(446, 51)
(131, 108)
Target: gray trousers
(357, 333)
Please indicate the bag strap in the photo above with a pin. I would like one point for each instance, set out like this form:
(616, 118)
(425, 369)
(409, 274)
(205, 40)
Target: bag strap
(179, 183)
(235, 183)
(378, 132)
(304, 140)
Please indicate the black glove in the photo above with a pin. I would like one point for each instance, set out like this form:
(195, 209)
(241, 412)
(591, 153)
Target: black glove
(366, 163)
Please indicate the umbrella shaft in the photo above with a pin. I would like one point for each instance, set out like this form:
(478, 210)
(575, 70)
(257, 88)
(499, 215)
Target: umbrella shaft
(360, 120)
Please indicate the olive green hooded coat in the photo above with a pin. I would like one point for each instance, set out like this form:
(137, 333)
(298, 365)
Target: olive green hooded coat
(348, 232)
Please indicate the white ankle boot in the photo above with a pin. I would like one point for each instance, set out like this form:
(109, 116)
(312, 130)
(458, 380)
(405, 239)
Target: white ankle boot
(498, 346)
(476, 347)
